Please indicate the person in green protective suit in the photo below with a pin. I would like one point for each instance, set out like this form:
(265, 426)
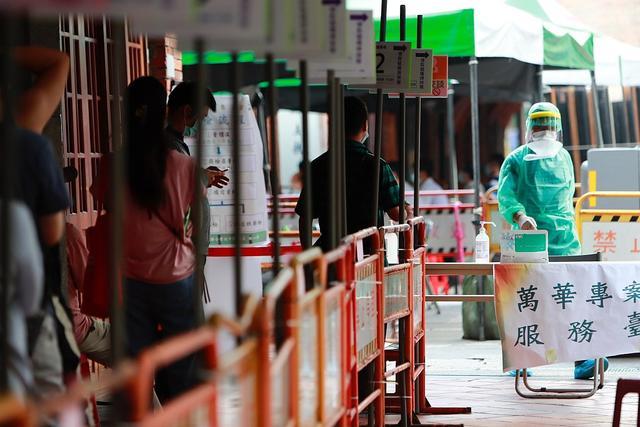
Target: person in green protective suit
(536, 187)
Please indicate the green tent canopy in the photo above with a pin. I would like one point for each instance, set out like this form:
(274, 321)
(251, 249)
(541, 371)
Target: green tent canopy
(491, 29)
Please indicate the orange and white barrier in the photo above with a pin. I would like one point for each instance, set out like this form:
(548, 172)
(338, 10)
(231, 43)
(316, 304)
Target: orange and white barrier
(279, 350)
(417, 255)
(15, 413)
(398, 301)
(366, 292)
(197, 405)
(299, 350)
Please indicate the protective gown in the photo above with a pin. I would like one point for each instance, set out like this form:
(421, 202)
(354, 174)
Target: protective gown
(542, 189)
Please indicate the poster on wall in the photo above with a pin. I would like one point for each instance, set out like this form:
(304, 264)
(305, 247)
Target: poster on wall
(217, 147)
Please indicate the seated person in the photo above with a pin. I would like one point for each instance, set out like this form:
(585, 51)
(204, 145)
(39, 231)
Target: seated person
(92, 334)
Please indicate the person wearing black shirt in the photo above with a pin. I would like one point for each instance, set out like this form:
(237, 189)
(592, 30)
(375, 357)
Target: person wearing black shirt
(360, 170)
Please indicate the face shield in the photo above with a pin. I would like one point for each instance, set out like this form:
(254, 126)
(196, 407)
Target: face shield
(544, 131)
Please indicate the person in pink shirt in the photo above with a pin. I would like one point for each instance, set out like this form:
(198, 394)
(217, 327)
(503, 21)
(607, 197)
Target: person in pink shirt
(159, 254)
(92, 335)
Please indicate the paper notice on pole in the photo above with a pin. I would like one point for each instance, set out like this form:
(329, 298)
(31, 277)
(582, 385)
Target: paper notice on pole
(440, 80)
(294, 31)
(154, 17)
(393, 62)
(439, 85)
(54, 8)
(223, 24)
(392, 65)
(333, 17)
(421, 70)
(217, 147)
(358, 65)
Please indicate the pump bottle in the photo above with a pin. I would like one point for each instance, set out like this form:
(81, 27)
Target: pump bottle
(482, 244)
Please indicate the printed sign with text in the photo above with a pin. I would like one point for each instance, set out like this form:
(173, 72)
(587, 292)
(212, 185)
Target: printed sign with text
(392, 65)
(562, 312)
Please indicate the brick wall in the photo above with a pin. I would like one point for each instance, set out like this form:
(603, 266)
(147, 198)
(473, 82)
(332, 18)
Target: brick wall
(165, 60)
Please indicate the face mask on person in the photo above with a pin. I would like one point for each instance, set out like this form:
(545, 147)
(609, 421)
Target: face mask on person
(544, 144)
(190, 131)
(544, 135)
(364, 137)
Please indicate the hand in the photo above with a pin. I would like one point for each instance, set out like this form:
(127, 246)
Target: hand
(409, 211)
(216, 177)
(526, 222)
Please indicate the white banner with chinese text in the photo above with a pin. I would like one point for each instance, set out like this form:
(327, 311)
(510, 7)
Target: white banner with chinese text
(562, 312)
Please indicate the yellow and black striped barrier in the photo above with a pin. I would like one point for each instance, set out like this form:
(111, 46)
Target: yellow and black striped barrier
(618, 216)
(605, 215)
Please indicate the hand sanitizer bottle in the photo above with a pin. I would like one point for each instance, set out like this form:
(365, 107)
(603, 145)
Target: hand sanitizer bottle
(482, 244)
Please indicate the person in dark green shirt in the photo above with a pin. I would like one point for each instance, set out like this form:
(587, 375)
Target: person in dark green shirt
(360, 170)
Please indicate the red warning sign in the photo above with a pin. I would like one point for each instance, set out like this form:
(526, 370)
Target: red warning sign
(440, 82)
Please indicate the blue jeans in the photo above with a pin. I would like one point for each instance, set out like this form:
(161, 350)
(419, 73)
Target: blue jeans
(170, 306)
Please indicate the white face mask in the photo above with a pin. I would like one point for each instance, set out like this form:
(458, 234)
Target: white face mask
(544, 134)
(543, 149)
(364, 137)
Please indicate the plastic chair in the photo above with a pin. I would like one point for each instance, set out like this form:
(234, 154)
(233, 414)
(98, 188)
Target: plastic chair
(565, 393)
(623, 388)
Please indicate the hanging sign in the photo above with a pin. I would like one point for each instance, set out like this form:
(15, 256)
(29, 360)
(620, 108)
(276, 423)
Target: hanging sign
(421, 77)
(562, 312)
(334, 17)
(392, 65)
(293, 30)
(358, 65)
(440, 80)
(224, 24)
(439, 87)
(421, 70)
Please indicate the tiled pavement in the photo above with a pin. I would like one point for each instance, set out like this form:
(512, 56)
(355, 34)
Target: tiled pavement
(469, 373)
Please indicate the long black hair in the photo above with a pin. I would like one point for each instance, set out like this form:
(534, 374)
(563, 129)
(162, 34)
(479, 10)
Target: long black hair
(146, 144)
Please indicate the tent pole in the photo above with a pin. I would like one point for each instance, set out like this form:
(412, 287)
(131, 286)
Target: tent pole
(237, 197)
(378, 139)
(7, 164)
(451, 138)
(416, 149)
(275, 163)
(475, 146)
(596, 109)
(259, 103)
(199, 215)
(403, 125)
(377, 152)
(625, 108)
(342, 164)
(333, 179)
(403, 380)
(118, 122)
(540, 83)
(337, 143)
(307, 236)
(475, 129)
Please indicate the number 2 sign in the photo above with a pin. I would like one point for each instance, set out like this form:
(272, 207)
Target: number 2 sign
(392, 65)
